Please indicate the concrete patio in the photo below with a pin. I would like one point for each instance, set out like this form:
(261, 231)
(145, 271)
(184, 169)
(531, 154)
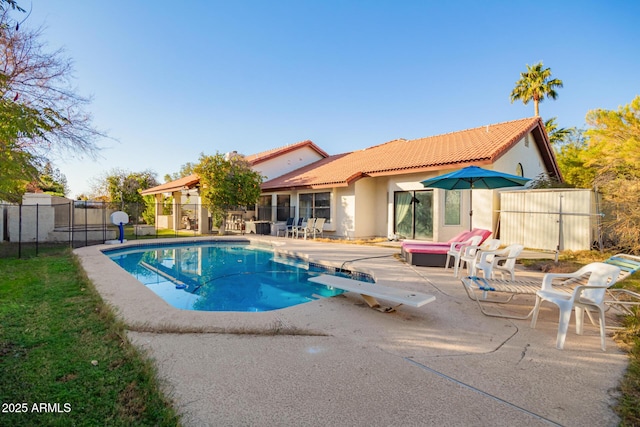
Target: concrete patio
(338, 362)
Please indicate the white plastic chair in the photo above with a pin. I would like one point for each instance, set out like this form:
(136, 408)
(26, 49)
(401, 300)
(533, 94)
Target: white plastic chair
(503, 261)
(471, 254)
(307, 228)
(288, 227)
(456, 249)
(318, 227)
(584, 297)
(295, 228)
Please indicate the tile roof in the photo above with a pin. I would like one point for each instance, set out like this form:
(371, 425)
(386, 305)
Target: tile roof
(255, 159)
(179, 184)
(482, 145)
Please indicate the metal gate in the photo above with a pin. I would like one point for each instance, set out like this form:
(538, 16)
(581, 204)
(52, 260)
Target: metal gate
(551, 219)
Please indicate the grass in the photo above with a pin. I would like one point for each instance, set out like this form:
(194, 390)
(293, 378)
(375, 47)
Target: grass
(60, 345)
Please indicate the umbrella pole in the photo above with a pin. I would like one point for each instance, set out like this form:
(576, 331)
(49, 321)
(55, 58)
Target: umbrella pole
(470, 209)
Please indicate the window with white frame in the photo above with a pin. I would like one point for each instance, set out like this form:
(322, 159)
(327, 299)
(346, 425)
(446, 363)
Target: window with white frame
(315, 205)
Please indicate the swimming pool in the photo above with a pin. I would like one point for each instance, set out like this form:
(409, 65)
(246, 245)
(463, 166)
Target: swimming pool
(224, 276)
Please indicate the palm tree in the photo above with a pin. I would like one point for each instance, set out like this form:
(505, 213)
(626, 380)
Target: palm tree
(536, 84)
(556, 135)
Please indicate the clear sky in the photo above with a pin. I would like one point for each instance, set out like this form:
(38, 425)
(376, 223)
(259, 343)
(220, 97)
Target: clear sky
(173, 79)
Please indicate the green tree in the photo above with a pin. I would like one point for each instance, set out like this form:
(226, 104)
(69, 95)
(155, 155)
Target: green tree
(227, 183)
(185, 170)
(122, 188)
(18, 167)
(51, 181)
(614, 153)
(572, 157)
(535, 84)
(40, 114)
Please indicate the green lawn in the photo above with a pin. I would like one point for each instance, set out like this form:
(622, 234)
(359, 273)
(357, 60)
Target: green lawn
(65, 360)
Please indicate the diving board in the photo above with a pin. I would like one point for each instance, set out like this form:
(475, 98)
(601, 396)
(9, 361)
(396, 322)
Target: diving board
(370, 292)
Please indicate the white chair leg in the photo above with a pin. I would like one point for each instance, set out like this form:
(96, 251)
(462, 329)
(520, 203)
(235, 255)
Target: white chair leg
(486, 272)
(603, 344)
(579, 320)
(456, 266)
(536, 309)
(446, 264)
(471, 268)
(563, 326)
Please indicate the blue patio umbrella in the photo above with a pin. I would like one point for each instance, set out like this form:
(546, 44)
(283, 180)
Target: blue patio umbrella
(474, 177)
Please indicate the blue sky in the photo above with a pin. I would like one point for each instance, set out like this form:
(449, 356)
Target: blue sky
(173, 79)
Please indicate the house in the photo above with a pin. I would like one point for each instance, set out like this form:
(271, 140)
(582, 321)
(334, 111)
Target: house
(270, 163)
(377, 191)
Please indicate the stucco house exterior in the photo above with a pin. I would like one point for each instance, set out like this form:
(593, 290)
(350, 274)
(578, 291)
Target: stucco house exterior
(377, 191)
(270, 163)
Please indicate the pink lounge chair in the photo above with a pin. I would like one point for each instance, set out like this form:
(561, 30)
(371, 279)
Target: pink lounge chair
(460, 237)
(430, 254)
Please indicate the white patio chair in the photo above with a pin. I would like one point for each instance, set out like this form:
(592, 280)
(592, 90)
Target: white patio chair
(306, 228)
(503, 261)
(288, 227)
(318, 227)
(455, 251)
(471, 254)
(584, 297)
(294, 228)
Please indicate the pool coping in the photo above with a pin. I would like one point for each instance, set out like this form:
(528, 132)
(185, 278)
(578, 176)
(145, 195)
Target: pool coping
(125, 294)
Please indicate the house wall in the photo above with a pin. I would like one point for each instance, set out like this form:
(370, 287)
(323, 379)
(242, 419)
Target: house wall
(486, 203)
(37, 222)
(367, 205)
(365, 208)
(344, 212)
(412, 182)
(524, 152)
(287, 162)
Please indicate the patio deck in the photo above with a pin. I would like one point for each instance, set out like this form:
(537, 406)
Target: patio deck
(338, 362)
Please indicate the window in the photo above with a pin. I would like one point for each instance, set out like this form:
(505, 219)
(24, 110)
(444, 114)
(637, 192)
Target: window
(413, 214)
(452, 202)
(283, 209)
(519, 170)
(264, 208)
(315, 205)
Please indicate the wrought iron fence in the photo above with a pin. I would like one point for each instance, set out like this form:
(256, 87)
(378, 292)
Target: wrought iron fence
(26, 228)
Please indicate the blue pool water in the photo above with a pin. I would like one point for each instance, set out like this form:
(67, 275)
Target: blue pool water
(223, 276)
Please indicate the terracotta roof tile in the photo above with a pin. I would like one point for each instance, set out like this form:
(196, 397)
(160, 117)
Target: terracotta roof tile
(269, 154)
(179, 184)
(253, 159)
(480, 145)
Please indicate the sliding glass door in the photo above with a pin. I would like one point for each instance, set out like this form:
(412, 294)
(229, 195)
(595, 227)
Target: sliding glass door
(413, 214)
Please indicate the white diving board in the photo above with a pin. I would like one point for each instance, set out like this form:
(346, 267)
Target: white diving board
(370, 292)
